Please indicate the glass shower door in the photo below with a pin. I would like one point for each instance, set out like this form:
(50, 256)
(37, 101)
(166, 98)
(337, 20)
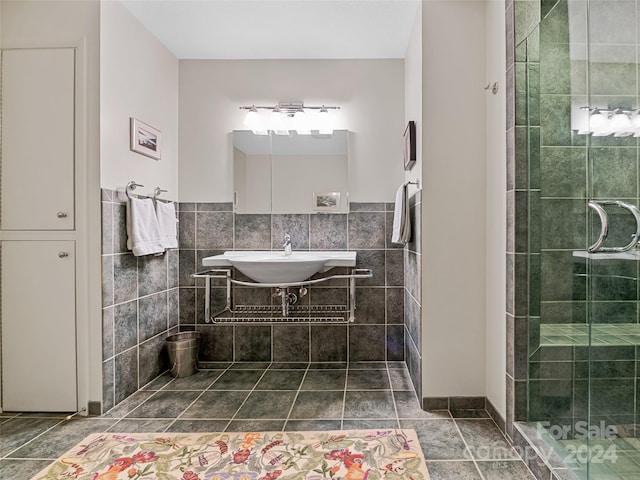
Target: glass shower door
(582, 141)
(558, 235)
(612, 269)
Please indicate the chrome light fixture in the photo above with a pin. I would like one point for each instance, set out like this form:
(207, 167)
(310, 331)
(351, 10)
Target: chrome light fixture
(604, 122)
(301, 123)
(286, 117)
(277, 122)
(324, 122)
(251, 120)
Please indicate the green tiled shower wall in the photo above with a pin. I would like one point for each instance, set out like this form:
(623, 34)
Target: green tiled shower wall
(522, 36)
(553, 172)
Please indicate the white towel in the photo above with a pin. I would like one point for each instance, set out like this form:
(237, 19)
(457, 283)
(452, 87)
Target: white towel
(166, 213)
(401, 217)
(143, 232)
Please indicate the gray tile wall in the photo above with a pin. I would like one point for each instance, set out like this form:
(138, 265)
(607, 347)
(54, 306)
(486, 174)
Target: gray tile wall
(412, 295)
(145, 299)
(139, 307)
(377, 334)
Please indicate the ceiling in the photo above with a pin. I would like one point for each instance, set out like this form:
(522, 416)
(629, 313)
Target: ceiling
(279, 29)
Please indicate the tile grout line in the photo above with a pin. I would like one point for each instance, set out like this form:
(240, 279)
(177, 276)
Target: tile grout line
(473, 457)
(295, 399)
(344, 395)
(233, 417)
(393, 397)
(155, 392)
(63, 420)
(179, 417)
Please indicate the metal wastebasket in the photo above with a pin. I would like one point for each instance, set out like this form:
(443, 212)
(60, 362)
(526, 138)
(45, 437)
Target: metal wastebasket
(183, 353)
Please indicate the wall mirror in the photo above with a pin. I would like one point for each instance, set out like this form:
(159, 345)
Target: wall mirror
(290, 173)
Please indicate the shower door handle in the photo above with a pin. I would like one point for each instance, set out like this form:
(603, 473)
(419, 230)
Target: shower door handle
(604, 229)
(604, 226)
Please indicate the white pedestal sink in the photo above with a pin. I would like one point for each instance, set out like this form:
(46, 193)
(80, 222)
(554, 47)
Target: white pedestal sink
(276, 267)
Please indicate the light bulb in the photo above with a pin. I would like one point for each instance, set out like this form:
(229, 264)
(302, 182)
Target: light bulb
(258, 125)
(599, 124)
(324, 122)
(621, 124)
(251, 120)
(580, 120)
(635, 123)
(301, 124)
(277, 122)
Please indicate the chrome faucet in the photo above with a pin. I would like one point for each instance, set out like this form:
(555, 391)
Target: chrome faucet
(287, 244)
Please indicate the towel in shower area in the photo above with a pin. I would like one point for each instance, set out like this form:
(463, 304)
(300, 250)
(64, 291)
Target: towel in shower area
(166, 214)
(401, 217)
(143, 231)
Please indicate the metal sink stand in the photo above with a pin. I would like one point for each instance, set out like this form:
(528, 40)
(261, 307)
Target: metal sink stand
(285, 312)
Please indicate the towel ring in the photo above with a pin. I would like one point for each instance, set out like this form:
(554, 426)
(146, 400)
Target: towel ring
(157, 191)
(131, 186)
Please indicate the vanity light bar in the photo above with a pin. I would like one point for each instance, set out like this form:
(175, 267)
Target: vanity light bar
(289, 116)
(289, 108)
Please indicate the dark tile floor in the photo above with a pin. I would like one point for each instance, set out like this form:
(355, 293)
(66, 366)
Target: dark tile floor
(241, 397)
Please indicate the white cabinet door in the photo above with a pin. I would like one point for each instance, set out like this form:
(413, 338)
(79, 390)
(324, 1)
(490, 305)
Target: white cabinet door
(38, 139)
(38, 326)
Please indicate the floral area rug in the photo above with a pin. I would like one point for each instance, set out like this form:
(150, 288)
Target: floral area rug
(336, 455)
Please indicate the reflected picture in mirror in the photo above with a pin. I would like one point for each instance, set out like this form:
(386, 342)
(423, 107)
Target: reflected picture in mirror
(286, 173)
(326, 202)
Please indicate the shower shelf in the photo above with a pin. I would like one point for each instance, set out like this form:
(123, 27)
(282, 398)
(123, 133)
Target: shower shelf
(578, 335)
(285, 312)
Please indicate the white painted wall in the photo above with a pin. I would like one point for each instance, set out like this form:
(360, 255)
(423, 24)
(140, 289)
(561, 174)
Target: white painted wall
(496, 208)
(413, 92)
(370, 94)
(75, 24)
(139, 78)
(454, 197)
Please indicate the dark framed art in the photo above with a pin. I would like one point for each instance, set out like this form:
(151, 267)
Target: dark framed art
(410, 145)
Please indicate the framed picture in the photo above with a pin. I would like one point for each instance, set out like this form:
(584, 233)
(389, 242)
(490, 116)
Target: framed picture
(326, 202)
(145, 139)
(410, 145)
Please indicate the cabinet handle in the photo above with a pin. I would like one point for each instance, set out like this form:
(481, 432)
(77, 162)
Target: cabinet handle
(62, 215)
(63, 254)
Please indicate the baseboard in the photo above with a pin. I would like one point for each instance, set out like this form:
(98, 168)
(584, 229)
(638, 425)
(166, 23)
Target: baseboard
(453, 403)
(495, 415)
(94, 408)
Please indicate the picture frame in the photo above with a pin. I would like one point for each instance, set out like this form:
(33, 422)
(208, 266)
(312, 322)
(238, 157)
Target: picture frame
(326, 201)
(144, 139)
(410, 145)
